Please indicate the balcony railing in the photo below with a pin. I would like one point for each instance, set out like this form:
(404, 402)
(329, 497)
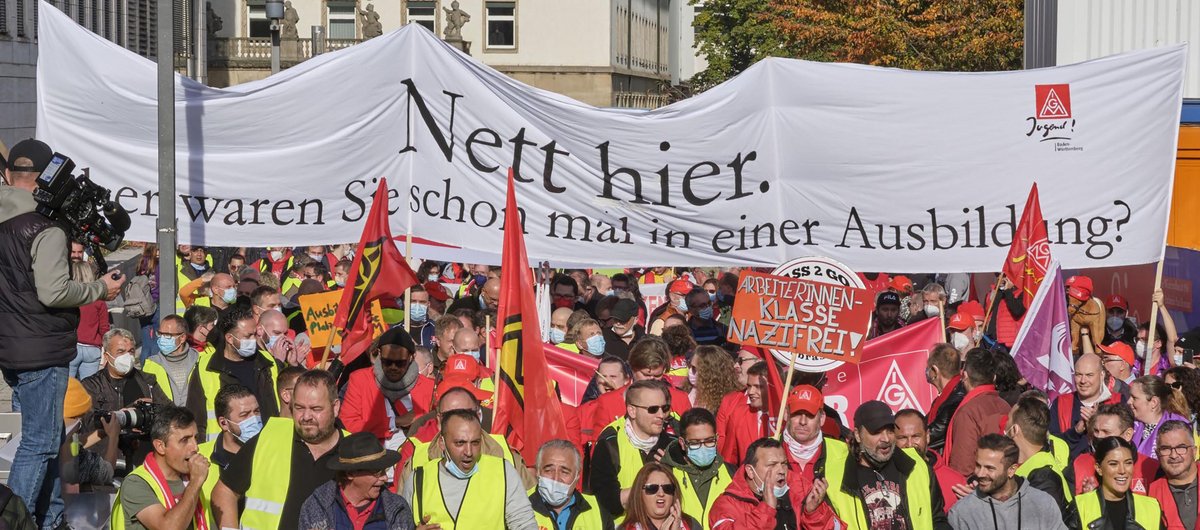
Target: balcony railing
(639, 100)
(254, 51)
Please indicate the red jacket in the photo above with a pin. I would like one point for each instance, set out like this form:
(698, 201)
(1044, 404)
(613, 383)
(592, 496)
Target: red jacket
(738, 426)
(739, 509)
(93, 323)
(611, 406)
(364, 408)
(1160, 490)
(947, 479)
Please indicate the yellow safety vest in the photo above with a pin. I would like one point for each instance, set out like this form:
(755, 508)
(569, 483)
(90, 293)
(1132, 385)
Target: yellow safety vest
(690, 499)
(159, 373)
(288, 284)
(485, 493)
(1146, 510)
(214, 471)
(117, 519)
(569, 346)
(420, 455)
(849, 508)
(629, 461)
(1043, 459)
(589, 520)
(210, 383)
(272, 462)
(1060, 450)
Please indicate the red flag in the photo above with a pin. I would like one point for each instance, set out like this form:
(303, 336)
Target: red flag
(527, 410)
(572, 371)
(892, 370)
(1029, 256)
(379, 271)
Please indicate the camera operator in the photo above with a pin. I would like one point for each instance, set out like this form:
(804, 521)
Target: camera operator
(120, 386)
(39, 307)
(87, 462)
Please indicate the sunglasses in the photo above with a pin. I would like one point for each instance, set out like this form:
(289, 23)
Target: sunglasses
(655, 409)
(392, 362)
(652, 489)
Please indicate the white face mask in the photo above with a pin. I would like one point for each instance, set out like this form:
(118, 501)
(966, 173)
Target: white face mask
(961, 341)
(1140, 349)
(555, 493)
(276, 255)
(932, 310)
(123, 363)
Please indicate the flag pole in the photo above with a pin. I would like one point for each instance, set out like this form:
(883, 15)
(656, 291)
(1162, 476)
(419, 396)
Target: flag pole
(942, 316)
(1150, 333)
(987, 315)
(787, 386)
(408, 292)
(325, 352)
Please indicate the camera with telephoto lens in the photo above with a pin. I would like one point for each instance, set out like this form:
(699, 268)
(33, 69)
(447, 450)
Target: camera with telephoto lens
(140, 416)
(85, 208)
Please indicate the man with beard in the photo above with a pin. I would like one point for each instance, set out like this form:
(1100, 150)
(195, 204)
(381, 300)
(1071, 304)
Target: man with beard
(1001, 499)
(1176, 491)
(277, 470)
(379, 398)
(911, 431)
(874, 485)
(887, 315)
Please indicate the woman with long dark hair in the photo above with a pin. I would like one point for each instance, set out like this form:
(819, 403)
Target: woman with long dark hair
(1112, 506)
(654, 502)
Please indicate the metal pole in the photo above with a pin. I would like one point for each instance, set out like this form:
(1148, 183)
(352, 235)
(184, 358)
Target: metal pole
(318, 40)
(274, 47)
(200, 46)
(166, 158)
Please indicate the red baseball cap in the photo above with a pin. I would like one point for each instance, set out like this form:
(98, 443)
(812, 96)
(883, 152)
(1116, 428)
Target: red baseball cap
(1119, 349)
(436, 291)
(484, 396)
(972, 308)
(805, 398)
(961, 322)
(1079, 288)
(1117, 300)
(461, 367)
(681, 287)
(901, 283)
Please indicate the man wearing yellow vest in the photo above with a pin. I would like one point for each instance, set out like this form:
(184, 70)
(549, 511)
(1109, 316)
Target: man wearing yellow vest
(694, 460)
(236, 359)
(462, 490)
(558, 504)
(628, 443)
(240, 420)
(896, 483)
(1002, 499)
(165, 492)
(175, 359)
(277, 470)
(1027, 426)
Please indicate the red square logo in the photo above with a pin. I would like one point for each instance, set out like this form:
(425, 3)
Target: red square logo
(1053, 101)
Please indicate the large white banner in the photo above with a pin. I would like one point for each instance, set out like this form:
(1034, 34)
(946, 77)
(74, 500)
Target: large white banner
(881, 169)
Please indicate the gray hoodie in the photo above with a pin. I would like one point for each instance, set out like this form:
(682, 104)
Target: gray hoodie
(1029, 509)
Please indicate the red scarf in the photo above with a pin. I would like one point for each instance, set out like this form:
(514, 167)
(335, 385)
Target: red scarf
(974, 393)
(160, 480)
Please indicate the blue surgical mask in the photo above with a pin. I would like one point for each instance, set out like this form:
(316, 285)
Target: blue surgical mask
(703, 457)
(712, 297)
(780, 491)
(557, 335)
(418, 312)
(595, 345)
(229, 296)
(480, 279)
(200, 267)
(166, 344)
(433, 277)
(250, 428)
(682, 305)
(458, 473)
(247, 348)
(482, 303)
(555, 493)
(472, 353)
(706, 313)
(610, 292)
(271, 340)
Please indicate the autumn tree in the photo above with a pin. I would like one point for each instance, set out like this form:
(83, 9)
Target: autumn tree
(948, 35)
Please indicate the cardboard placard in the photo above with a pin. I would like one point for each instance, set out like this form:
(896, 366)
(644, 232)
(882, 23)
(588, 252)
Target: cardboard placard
(811, 318)
(319, 310)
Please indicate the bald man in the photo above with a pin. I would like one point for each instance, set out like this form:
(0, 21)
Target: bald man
(466, 342)
(1093, 387)
(488, 298)
(558, 325)
(275, 337)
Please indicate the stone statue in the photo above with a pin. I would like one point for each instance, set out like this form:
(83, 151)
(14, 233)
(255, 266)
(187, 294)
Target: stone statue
(290, 19)
(371, 27)
(455, 20)
(213, 22)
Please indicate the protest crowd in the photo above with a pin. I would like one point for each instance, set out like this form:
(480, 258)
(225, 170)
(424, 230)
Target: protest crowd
(226, 412)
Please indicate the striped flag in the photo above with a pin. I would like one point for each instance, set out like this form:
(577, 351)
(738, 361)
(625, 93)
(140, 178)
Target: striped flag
(527, 409)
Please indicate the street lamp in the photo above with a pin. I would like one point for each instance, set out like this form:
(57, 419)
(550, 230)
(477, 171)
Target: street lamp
(274, 10)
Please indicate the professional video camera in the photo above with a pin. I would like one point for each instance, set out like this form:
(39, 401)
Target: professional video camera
(140, 416)
(92, 218)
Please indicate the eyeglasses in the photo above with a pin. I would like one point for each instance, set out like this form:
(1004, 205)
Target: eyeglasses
(1177, 450)
(652, 489)
(697, 444)
(746, 360)
(655, 409)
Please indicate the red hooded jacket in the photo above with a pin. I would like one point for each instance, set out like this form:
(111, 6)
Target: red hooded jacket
(737, 427)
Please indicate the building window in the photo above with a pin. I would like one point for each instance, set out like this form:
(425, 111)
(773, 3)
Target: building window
(342, 22)
(260, 26)
(501, 25)
(423, 13)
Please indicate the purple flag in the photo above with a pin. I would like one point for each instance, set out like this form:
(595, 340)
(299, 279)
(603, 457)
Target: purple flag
(1043, 346)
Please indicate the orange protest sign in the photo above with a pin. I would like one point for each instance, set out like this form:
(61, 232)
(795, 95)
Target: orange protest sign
(810, 318)
(319, 309)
